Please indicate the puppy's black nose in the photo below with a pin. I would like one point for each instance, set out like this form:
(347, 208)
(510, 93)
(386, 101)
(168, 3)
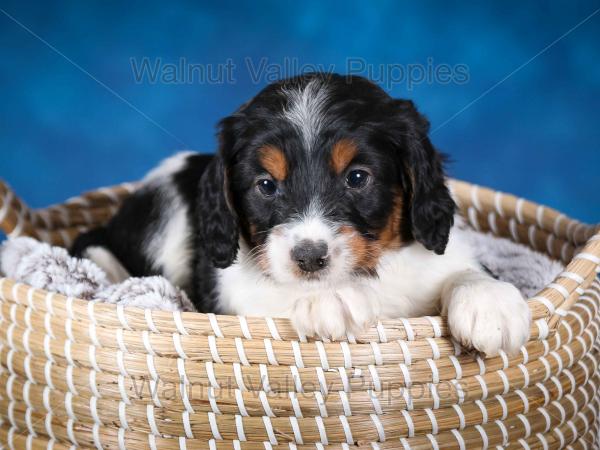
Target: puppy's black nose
(310, 256)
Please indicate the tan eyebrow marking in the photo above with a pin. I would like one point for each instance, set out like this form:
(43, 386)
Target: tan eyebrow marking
(342, 154)
(273, 161)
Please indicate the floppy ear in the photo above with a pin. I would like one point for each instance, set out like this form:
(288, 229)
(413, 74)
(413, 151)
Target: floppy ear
(432, 208)
(219, 230)
(219, 226)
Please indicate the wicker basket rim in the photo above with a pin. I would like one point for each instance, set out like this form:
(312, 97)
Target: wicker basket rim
(550, 303)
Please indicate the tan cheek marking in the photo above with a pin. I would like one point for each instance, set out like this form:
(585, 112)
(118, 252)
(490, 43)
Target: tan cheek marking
(342, 154)
(366, 252)
(273, 160)
(389, 237)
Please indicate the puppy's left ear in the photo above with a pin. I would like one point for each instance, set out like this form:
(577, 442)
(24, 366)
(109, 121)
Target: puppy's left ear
(432, 208)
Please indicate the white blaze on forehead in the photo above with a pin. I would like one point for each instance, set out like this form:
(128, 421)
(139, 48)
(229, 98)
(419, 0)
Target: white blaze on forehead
(306, 109)
(311, 226)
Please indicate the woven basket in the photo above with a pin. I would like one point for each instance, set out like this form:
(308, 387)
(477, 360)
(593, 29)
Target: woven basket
(84, 374)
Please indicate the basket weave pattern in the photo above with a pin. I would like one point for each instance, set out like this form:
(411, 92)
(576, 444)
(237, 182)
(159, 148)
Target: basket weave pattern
(85, 374)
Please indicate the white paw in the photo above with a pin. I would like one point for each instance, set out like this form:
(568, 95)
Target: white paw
(489, 316)
(334, 313)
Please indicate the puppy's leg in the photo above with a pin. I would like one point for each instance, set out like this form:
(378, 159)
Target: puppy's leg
(332, 313)
(104, 259)
(484, 313)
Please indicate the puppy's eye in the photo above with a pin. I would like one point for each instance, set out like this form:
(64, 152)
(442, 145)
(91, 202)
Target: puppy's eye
(357, 178)
(266, 187)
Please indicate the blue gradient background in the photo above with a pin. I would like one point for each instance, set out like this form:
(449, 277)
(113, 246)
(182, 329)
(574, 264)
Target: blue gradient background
(537, 134)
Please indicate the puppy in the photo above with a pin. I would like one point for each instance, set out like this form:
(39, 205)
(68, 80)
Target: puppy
(326, 203)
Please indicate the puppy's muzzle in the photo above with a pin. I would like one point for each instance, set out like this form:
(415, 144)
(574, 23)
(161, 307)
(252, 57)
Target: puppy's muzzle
(310, 256)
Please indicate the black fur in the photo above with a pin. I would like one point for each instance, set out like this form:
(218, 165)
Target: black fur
(224, 205)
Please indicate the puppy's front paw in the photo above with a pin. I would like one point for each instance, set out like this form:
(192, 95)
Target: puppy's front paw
(334, 313)
(488, 315)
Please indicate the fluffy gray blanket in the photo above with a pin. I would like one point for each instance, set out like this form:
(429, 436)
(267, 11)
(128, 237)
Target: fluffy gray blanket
(52, 268)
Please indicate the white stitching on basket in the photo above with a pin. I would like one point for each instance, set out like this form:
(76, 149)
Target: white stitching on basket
(434, 395)
(347, 430)
(461, 416)
(503, 405)
(481, 365)
(381, 430)
(296, 430)
(483, 409)
(543, 441)
(121, 316)
(239, 379)
(322, 380)
(295, 404)
(503, 430)
(244, 327)
(432, 419)
(297, 354)
(484, 436)
(264, 377)
(239, 346)
(435, 374)
(493, 223)
(345, 403)
(472, 216)
(93, 384)
(376, 353)
(459, 439)
(214, 428)
(322, 431)
(505, 382)
(239, 398)
(381, 332)
(214, 352)
(433, 441)
(322, 355)
(270, 353)
(405, 374)
(239, 426)
(347, 354)
(123, 415)
(407, 396)
(344, 378)
(214, 324)
(375, 377)
(150, 321)
(410, 334)
(405, 352)
(296, 378)
(588, 257)
(273, 328)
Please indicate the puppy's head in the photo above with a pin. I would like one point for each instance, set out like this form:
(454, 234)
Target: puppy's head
(321, 174)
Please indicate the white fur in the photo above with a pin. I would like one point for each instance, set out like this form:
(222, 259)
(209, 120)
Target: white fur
(309, 226)
(104, 259)
(307, 110)
(168, 167)
(484, 313)
(169, 247)
(411, 281)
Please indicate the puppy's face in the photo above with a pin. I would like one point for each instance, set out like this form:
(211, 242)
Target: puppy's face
(324, 173)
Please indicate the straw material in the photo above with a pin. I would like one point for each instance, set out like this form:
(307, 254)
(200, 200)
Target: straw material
(93, 375)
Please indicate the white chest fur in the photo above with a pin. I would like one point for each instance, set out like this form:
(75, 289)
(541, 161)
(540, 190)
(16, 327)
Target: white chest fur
(408, 284)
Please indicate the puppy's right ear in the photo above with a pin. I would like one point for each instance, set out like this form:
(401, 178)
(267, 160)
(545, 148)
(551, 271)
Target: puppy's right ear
(219, 226)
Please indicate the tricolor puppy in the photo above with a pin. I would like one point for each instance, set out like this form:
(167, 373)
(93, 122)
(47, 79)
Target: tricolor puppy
(326, 203)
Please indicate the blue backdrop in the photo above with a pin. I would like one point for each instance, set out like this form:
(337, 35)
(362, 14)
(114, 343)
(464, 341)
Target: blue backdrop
(93, 94)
